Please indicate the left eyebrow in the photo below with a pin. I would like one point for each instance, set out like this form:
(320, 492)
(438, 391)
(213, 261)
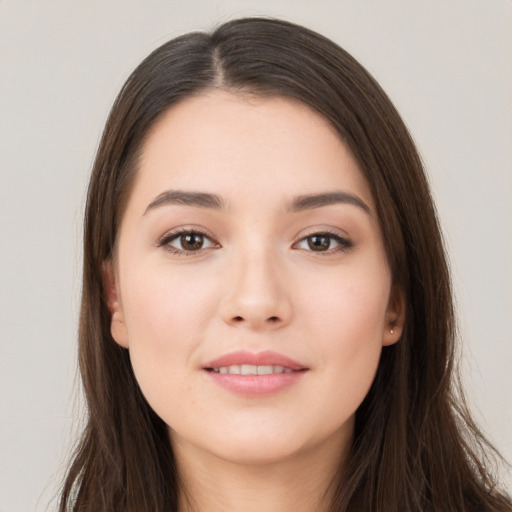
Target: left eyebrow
(311, 201)
(195, 199)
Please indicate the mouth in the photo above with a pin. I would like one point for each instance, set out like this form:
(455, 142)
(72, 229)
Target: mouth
(251, 369)
(255, 374)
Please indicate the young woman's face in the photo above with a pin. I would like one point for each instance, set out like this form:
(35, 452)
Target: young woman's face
(250, 282)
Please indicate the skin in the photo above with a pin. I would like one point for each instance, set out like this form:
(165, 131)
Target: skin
(255, 284)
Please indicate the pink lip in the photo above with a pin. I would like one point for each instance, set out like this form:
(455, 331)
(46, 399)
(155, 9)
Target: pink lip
(255, 385)
(265, 358)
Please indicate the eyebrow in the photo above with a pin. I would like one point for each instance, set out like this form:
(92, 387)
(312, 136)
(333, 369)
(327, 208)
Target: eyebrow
(215, 202)
(311, 201)
(196, 199)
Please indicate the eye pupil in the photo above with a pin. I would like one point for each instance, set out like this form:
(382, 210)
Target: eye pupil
(319, 242)
(192, 241)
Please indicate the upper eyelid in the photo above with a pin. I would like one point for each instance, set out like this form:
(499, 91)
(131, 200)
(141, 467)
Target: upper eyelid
(342, 240)
(325, 232)
(322, 229)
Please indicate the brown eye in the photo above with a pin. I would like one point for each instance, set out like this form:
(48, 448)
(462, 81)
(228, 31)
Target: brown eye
(191, 241)
(319, 242)
(324, 242)
(187, 242)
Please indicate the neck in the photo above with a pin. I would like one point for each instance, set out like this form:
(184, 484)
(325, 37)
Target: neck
(300, 483)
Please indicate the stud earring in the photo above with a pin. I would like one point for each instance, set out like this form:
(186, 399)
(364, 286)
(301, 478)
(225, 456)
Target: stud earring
(391, 331)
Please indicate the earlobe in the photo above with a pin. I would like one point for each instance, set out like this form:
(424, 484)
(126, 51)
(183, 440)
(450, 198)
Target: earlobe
(395, 318)
(117, 322)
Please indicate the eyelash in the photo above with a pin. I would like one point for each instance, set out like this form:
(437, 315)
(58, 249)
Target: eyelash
(343, 243)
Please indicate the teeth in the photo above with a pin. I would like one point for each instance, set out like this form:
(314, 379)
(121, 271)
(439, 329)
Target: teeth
(251, 369)
(248, 369)
(235, 369)
(265, 370)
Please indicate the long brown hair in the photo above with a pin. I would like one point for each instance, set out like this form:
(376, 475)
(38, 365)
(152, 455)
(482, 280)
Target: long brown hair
(416, 447)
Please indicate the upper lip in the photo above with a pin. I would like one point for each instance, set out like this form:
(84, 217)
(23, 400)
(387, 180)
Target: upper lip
(266, 358)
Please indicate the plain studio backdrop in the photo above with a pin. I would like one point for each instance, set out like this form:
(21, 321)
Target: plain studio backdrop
(447, 65)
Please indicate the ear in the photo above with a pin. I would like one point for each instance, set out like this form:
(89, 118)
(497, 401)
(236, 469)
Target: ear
(395, 317)
(117, 322)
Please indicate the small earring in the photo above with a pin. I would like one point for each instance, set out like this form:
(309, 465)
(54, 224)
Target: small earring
(391, 331)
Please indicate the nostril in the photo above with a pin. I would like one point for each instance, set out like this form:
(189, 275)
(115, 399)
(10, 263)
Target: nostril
(238, 319)
(273, 319)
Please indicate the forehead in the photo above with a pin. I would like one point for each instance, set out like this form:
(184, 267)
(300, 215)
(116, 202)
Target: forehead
(245, 146)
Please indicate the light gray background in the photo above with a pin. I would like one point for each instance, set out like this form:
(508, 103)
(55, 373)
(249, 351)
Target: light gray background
(446, 64)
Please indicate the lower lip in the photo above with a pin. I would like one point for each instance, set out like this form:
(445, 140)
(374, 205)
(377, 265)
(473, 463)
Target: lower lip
(256, 385)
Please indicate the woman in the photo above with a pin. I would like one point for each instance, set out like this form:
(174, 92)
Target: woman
(266, 314)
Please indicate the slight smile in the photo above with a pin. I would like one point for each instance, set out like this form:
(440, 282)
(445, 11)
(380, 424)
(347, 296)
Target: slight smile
(252, 369)
(255, 374)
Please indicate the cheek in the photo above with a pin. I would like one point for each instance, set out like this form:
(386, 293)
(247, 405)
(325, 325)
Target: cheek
(165, 315)
(347, 316)
(349, 303)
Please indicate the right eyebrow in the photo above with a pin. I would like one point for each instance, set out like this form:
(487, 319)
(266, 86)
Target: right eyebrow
(311, 201)
(197, 199)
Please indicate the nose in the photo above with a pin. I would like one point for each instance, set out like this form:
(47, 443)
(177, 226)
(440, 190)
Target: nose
(257, 295)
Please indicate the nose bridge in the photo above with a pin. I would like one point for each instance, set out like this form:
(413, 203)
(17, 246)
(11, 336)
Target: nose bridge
(256, 295)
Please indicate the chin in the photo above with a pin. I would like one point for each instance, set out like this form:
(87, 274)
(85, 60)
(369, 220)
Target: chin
(271, 445)
(258, 453)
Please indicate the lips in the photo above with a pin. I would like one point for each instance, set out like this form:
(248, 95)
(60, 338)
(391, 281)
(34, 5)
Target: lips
(243, 357)
(255, 374)
(251, 369)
